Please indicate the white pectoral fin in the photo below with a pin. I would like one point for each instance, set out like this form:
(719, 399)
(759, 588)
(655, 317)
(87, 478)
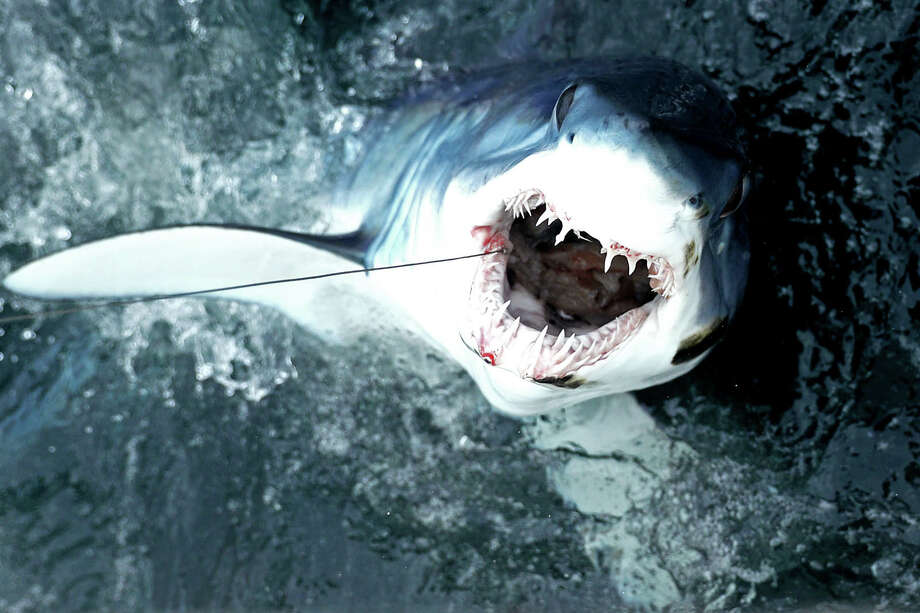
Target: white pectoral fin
(194, 258)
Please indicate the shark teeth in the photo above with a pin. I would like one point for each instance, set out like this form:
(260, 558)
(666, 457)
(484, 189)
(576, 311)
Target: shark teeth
(524, 202)
(660, 273)
(546, 216)
(562, 233)
(510, 332)
(661, 277)
(527, 200)
(504, 341)
(539, 355)
(608, 258)
(560, 341)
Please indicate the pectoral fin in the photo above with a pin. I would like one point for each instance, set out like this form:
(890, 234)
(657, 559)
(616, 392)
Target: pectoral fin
(192, 258)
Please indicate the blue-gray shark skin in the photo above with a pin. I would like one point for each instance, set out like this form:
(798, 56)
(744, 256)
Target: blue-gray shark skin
(609, 186)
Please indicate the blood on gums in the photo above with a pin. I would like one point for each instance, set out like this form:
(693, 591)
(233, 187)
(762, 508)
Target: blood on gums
(490, 240)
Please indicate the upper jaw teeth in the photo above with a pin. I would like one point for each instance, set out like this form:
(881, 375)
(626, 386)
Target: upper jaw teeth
(632, 257)
(524, 202)
(527, 200)
(660, 273)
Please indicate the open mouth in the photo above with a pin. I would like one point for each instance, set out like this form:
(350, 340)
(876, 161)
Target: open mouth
(557, 298)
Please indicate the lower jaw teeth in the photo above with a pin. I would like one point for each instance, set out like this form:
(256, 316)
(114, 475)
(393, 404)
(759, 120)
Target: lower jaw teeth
(542, 355)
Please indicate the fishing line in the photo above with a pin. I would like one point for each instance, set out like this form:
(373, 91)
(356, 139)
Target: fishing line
(110, 303)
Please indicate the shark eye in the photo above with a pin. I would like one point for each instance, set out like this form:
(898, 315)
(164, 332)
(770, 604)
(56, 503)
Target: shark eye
(563, 104)
(737, 197)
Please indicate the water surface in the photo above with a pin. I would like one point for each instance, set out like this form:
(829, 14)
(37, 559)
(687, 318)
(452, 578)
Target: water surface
(199, 455)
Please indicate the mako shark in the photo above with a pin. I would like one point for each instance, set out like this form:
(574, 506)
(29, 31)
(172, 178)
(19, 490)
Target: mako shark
(603, 188)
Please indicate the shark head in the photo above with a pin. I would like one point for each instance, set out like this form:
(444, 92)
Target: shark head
(621, 260)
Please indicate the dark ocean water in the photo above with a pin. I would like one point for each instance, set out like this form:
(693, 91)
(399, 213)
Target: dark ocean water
(200, 455)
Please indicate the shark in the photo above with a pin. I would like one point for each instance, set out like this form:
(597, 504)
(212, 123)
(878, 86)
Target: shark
(604, 194)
